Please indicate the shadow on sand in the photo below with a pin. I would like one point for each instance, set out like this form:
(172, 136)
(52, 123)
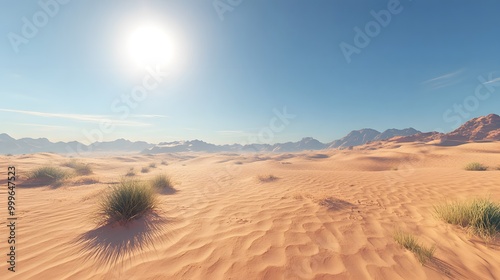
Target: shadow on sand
(38, 183)
(335, 204)
(445, 268)
(111, 243)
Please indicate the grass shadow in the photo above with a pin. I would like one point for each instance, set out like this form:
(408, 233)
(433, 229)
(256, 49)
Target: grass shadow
(494, 243)
(335, 204)
(445, 268)
(111, 243)
(38, 183)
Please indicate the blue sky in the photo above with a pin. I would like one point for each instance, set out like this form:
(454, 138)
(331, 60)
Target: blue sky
(431, 66)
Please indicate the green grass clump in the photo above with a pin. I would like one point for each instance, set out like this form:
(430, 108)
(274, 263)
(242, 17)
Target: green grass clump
(128, 201)
(475, 166)
(411, 243)
(480, 215)
(80, 168)
(48, 175)
(145, 170)
(162, 182)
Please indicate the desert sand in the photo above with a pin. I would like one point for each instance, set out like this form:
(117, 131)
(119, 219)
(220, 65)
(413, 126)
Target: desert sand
(328, 215)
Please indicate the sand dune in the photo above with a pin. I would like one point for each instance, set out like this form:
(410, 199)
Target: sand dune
(329, 215)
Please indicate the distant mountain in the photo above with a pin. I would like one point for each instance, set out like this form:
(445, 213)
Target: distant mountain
(478, 129)
(363, 136)
(355, 138)
(200, 146)
(9, 145)
(185, 146)
(419, 137)
(485, 128)
(307, 143)
(120, 145)
(395, 132)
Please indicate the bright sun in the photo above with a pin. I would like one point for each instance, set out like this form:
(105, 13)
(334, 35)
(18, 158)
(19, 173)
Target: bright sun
(149, 45)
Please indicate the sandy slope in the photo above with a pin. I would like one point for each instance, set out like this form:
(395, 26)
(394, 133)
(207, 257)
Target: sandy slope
(328, 216)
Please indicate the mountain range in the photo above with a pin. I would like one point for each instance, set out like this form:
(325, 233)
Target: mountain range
(486, 128)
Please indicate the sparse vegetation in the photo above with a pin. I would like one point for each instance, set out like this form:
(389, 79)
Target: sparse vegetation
(130, 172)
(411, 243)
(86, 181)
(145, 170)
(480, 215)
(162, 183)
(48, 175)
(163, 162)
(79, 167)
(128, 201)
(152, 165)
(475, 166)
(267, 178)
(238, 162)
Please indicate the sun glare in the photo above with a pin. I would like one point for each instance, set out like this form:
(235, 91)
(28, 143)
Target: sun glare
(149, 45)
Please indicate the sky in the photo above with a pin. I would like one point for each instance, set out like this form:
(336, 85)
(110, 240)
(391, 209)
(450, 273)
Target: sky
(240, 71)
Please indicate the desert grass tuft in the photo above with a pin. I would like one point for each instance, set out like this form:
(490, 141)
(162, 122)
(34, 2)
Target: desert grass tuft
(79, 167)
(267, 178)
(129, 200)
(152, 165)
(480, 215)
(162, 183)
(475, 166)
(163, 162)
(411, 243)
(48, 175)
(145, 170)
(130, 172)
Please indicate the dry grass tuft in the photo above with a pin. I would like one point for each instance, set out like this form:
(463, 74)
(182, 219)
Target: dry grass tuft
(411, 243)
(267, 178)
(48, 175)
(128, 201)
(480, 215)
(80, 168)
(163, 183)
(475, 166)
